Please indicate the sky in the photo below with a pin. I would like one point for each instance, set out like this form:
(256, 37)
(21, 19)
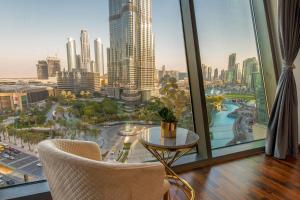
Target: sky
(224, 27)
(31, 30)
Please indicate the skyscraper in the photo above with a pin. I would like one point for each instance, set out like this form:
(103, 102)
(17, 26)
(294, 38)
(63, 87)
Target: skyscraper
(78, 62)
(85, 50)
(53, 66)
(111, 73)
(204, 71)
(132, 61)
(222, 75)
(99, 61)
(42, 69)
(216, 74)
(235, 72)
(92, 66)
(231, 68)
(250, 66)
(209, 73)
(262, 115)
(71, 54)
(231, 60)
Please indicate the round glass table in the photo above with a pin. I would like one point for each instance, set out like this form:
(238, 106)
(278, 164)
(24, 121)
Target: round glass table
(168, 150)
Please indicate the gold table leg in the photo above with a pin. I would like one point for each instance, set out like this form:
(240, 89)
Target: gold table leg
(167, 159)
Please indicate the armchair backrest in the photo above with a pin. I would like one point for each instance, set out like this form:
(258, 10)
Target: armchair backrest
(74, 171)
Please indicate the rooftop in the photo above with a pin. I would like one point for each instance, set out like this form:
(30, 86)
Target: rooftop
(19, 88)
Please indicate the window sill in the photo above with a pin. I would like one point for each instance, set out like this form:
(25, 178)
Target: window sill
(36, 190)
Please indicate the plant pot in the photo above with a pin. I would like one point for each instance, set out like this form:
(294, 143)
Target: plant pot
(168, 129)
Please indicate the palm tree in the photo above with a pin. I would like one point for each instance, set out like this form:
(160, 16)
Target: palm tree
(63, 126)
(20, 135)
(51, 124)
(94, 133)
(2, 129)
(14, 134)
(28, 137)
(70, 111)
(8, 131)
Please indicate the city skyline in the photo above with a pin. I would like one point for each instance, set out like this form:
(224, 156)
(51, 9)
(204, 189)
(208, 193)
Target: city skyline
(40, 38)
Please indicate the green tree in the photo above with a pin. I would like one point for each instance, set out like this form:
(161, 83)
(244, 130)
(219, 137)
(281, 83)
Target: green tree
(28, 138)
(59, 111)
(172, 97)
(9, 132)
(109, 106)
(3, 131)
(20, 135)
(50, 124)
(94, 133)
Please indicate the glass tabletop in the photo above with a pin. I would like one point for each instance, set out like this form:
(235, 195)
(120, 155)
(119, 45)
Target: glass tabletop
(184, 138)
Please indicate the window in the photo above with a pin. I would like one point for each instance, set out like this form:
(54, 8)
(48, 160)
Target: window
(90, 70)
(231, 70)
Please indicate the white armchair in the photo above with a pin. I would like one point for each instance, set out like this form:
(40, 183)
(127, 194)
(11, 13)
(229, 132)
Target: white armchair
(74, 171)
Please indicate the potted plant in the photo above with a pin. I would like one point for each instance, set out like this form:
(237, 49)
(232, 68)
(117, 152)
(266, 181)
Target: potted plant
(168, 123)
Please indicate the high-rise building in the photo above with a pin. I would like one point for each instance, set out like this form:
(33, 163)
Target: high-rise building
(222, 75)
(235, 73)
(78, 62)
(262, 116)
(182, 75)
(250, 66)
(204, 71)
(209, 73)
(162, 73)
(216, 74)
(111, 73)
(77, 81)
(53, 66)
(231, 60)
(71, 54)
(85, 50)
(99, 60)
(231, 78)
(132, 62)
(239, 74)
(42, 69)
(92, 66)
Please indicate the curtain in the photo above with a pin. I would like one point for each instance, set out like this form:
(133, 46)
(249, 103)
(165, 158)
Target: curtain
(282, 132)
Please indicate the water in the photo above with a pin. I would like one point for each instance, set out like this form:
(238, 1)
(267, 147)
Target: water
(222, 127)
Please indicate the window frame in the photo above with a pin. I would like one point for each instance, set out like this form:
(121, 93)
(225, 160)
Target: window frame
(204, 157)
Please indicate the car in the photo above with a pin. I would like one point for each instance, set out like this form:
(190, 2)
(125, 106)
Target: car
(10, 182)
(11, 158)
(5, 155)
(16, 151)
(5, 145)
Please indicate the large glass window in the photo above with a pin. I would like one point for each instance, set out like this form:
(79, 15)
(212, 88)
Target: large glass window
(90, 70)
(232, 74)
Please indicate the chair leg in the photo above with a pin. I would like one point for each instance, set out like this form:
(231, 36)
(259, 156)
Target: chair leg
(167, 196)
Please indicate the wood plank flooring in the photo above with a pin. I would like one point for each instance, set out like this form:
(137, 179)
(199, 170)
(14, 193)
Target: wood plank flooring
(256, 177)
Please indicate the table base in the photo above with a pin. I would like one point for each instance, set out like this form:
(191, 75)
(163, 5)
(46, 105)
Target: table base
(167, 159)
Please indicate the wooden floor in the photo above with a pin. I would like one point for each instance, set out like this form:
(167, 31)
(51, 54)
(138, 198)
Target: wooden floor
(256, 177)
